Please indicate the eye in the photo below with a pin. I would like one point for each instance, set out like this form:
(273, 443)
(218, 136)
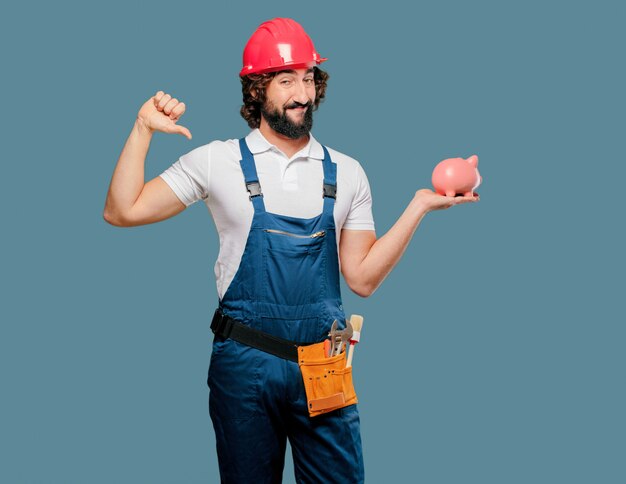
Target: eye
(285, 82)
(309, 81)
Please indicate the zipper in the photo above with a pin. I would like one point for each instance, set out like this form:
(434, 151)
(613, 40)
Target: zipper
(321, 233)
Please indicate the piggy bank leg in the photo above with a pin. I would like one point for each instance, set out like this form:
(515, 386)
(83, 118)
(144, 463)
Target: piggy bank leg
(469, 194)
(450, 193)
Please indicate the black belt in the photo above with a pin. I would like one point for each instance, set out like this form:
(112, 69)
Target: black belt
(227, 327)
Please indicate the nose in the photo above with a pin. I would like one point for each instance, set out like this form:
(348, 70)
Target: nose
(301, 95)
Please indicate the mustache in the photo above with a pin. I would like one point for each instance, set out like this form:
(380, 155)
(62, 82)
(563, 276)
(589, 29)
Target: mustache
(296, 104)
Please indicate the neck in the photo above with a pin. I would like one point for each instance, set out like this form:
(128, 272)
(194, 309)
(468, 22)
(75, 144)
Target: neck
(287, 145)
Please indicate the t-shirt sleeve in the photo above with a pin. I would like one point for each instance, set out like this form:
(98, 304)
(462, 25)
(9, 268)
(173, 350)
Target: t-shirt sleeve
(188, 177)
(360, 216)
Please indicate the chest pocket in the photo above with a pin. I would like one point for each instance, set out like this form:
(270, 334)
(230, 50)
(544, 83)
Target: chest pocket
(294, 267)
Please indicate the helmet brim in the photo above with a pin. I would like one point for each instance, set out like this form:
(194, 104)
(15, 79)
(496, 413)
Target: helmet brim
(283, 67)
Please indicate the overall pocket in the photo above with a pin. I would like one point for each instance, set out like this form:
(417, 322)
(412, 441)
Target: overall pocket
(327, 381)
(233, 380)
(294, 265)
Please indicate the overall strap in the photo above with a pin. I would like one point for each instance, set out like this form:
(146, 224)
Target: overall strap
(250, 175)
(330, 183)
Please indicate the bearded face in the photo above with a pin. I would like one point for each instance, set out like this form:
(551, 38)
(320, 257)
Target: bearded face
(293, 120)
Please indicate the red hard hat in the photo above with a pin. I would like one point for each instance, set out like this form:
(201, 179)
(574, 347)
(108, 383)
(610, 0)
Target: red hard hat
(276, 44)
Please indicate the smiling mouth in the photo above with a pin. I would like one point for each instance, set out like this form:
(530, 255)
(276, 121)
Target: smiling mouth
(298, 106)
(299, 111)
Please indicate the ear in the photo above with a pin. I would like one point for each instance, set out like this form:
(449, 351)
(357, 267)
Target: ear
(253, 93)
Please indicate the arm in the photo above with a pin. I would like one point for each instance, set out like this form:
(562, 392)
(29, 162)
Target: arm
(367, 261)
(130, 201)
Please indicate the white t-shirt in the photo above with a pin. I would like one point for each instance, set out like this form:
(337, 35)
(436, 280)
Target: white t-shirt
(291, 186)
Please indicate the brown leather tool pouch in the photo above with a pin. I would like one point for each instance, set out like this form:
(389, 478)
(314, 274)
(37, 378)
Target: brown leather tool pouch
(327, 381)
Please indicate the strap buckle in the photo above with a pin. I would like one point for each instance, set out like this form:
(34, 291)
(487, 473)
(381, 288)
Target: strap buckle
(220, 325)
(330, 190)
(254, 188)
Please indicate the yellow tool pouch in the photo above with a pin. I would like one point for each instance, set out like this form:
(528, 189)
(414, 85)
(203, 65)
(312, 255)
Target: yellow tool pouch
(327, 381)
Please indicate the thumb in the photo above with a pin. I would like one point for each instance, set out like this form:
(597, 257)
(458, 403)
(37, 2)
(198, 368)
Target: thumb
(182, 130)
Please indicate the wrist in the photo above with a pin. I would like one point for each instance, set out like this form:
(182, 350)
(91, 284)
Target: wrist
(418, 205)
(142, 127)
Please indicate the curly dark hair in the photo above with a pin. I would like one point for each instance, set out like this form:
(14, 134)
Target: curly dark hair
(251, 109)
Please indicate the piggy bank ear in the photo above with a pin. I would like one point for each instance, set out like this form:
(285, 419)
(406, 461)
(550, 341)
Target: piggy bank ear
(473, 160)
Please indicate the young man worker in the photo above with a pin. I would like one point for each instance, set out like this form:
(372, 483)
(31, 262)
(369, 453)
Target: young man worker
(288, 211)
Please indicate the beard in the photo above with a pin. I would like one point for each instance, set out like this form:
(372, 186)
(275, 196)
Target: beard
(282, 124)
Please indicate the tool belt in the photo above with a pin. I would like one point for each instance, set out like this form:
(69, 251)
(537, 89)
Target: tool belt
(327, 381)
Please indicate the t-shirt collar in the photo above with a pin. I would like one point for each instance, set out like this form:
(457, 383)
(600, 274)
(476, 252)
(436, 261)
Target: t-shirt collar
(258, 144)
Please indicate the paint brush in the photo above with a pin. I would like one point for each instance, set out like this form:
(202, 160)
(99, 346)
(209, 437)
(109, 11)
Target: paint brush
(357, 324)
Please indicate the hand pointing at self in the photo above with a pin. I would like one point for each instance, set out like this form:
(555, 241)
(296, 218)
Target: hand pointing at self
(161, 113)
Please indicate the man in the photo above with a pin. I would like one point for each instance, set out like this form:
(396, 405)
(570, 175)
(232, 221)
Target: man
(290, 214)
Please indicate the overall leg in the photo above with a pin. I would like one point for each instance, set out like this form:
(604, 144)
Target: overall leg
(249, 433)
(326, 448)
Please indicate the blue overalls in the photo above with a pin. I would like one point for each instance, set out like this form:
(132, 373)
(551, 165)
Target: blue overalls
(287, 285)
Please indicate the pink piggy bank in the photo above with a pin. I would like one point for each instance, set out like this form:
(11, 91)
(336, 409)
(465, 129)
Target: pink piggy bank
(457, 175)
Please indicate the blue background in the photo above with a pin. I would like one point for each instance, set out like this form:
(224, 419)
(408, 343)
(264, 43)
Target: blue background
(493, 353)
